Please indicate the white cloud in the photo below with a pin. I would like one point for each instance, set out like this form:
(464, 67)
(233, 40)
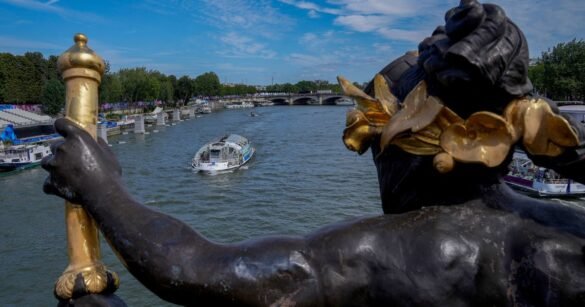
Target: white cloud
(312, 7)
(386, 18)
(313, 14)
(546, 23)
(243, 46)
(391, 8)
(382, 48)
(363, 23)
(255, 16)
(414, 36)
(11, 43)
(51, 7)
(323, 42)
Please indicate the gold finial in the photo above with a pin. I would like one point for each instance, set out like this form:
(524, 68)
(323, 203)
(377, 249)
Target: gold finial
(82, 70)
(80, 39)
(81, 56)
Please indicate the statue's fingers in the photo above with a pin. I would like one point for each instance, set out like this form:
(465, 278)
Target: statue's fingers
(56, 145)
(48, 163)
(48, 186)
(66, 127)
(53, 187)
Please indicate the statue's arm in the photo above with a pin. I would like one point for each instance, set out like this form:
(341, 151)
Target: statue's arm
(181, 266)
(166, 255)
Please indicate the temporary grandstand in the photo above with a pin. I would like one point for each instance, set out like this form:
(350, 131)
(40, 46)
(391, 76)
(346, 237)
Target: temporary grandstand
(21, 118)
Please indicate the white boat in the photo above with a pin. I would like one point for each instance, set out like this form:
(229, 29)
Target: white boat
(153, 116)
(345, 102)
(16, 157)
(245, 104)
(525, 175)
(223, 155)
(203, 109)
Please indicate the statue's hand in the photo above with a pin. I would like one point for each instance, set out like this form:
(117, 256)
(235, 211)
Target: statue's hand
(80, 167)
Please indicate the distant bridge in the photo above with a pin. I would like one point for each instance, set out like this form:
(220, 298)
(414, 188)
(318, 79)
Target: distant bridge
(288, 99)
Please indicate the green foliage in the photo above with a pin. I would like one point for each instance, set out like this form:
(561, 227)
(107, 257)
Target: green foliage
(110, 88)
(53, 97)
(304, 86)
(184, 89)
(237, 90)
(21, 78)
(207, 84)
(560, 73)
(31, 78)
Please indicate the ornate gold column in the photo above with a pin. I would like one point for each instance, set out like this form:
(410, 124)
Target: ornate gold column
(82, 70)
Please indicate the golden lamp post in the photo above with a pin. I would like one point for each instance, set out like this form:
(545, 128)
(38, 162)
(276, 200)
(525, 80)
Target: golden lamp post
(82, 70)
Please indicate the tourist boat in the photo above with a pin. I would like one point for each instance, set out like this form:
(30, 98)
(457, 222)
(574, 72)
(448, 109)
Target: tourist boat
(345, 102)
(244, 104)
(526, 176)
(17, 157)
(203, 109)
(223, 155)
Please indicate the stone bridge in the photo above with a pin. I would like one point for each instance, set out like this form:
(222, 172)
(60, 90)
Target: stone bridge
(290, 99)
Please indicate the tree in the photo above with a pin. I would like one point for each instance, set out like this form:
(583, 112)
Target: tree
(137, 85)
(306, 86)
(207, 84)
(173, 80)
(53, 97)
(111, 89)
(166, 91)
(560, 74)
(184, 89)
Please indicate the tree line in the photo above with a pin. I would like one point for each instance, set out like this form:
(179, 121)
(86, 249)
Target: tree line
(558, 74)
(32, 79)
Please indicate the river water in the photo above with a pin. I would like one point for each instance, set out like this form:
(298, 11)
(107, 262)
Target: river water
(301, 178)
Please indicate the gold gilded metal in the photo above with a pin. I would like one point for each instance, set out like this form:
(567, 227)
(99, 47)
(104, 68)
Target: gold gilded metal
(422, 125)
(358, 133)
(546, 133)
(370, 114)
(485, 137)
(82, 69)
(419, 111)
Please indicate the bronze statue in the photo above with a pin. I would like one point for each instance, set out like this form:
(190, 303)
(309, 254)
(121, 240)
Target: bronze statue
(454, 233)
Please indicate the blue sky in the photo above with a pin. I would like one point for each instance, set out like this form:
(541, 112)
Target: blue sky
(260, 41)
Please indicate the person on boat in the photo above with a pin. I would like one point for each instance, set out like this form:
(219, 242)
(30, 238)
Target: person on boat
(454, 235)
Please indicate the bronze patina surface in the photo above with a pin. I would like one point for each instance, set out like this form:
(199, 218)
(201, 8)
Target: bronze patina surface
(441, 125)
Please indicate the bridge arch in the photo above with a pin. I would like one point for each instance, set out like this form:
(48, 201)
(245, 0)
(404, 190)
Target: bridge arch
(305, 100)
(279, 101)
(330, 101)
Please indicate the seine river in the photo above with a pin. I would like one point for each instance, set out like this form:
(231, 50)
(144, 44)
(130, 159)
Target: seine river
(301, 178)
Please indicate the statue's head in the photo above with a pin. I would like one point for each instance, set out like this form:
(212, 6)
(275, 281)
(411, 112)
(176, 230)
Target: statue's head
(448, 117)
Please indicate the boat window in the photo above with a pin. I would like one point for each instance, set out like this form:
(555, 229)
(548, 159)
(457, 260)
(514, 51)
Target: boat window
(215, 153)
(38, 156)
